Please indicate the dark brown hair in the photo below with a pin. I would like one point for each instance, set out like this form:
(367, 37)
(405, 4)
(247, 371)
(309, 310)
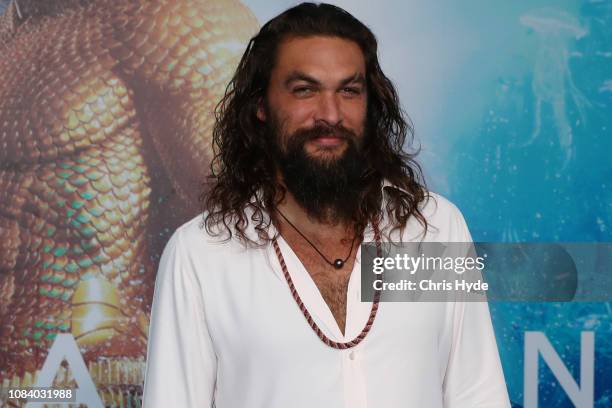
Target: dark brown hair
(243, 170)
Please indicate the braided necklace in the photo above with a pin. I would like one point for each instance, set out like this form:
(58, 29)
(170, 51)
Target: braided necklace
(308, 316)
(338, 263)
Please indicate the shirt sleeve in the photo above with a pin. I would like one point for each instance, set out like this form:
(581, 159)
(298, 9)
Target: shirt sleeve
(474, 377)
(181, 362)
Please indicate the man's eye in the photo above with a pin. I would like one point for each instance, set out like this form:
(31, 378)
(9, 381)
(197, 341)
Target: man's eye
(352, 91)
(302, 91)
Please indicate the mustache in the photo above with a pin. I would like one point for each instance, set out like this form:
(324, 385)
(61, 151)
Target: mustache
(303, 135)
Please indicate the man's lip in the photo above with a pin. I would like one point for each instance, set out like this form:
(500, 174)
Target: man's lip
(328, 140)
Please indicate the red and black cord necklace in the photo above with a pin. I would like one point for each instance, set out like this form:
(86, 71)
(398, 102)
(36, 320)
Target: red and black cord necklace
(302, 307)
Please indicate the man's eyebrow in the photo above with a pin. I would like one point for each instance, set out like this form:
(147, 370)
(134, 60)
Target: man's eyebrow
(300, 76)
(357, 78)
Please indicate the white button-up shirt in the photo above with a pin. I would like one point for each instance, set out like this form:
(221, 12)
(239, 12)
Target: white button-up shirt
(226, 332)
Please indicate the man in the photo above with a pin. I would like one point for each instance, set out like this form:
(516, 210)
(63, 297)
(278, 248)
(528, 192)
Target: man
(257, 302)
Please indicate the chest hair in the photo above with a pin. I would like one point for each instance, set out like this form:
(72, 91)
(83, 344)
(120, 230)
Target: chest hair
(331, 282)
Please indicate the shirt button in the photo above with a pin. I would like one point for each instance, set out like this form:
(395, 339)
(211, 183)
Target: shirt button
(352, 355)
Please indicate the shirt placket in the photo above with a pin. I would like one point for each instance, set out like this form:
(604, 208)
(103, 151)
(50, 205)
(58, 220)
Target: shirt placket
(355, 390)
(357, 314)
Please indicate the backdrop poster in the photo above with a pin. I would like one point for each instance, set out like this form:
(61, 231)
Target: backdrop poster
(106, 110)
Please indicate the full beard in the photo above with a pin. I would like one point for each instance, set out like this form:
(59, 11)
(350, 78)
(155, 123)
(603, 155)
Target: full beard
(328, 188)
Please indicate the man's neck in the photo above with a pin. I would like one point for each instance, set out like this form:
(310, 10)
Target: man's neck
(322, 231)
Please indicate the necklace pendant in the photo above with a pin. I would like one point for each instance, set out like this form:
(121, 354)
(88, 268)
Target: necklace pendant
(338, 263)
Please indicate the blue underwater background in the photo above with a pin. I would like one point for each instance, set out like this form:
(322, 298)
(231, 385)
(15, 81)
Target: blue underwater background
(537, 168)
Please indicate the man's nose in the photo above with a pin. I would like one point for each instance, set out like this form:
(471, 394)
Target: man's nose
(329, 109)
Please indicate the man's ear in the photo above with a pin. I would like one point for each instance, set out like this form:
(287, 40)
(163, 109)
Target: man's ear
(261, 112)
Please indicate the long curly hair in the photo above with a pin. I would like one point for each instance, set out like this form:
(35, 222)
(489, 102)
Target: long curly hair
(243, 188)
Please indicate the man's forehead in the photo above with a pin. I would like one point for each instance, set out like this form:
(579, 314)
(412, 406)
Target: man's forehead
(332, 58)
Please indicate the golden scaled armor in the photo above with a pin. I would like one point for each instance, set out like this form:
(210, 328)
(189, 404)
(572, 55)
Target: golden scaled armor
(106, 111)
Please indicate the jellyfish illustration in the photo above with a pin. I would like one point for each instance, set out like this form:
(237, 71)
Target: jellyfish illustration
(552, 78)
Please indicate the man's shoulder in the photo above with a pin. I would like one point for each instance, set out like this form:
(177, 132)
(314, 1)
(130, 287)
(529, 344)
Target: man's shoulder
(192, 239)
(445, 222)
(434, 205)
(195, 231)
(194, 236)
(437, 206)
